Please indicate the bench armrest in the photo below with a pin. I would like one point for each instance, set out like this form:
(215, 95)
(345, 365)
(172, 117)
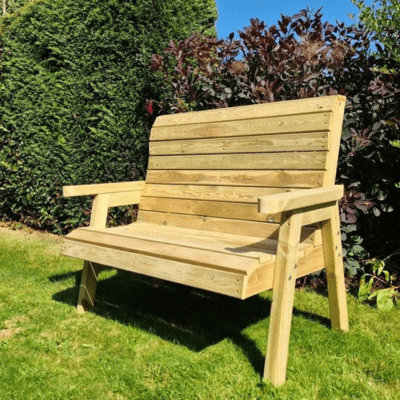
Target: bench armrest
(99, 188)
(276, 203)
(107, 195)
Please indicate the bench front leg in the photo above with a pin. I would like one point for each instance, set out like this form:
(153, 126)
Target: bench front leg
(87, 291)
(332, 245)
(283, 295)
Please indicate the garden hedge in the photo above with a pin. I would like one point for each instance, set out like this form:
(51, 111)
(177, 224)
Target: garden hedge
(74, 78)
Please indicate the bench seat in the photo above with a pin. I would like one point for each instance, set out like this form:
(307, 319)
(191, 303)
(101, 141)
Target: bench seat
(197, 258)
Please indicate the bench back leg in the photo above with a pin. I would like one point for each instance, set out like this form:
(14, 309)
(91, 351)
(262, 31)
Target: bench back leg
(283, 295)
(88, 286)
(332, 244)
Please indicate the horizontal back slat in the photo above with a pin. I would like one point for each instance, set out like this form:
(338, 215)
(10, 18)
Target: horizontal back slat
(283, 179)
(248, 127)
(233, 226)
(291, 107)
(240, 162)
(243, 144)
(219, 209)
(242, 194)
(214, 165)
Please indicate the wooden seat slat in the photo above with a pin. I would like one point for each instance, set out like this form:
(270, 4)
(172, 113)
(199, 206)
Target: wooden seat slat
(268, 246)
(280, 179)
(198, 276)
(315, 141)
(153, 245)
(313, 160)
(265, 126)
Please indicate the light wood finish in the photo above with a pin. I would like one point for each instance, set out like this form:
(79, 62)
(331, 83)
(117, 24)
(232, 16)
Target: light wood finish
(242, 194)
(243, 144)
(87, 291)
(100, 206)
(125, 198)
(313, 122)
(240, 246)
(219, 209)
(332, 244)
(334, 141)
(221, 184)
(287, 108)
(211, 224)
(314, 160)
(188, 274)
(263, 278)
(281, 179)
(208, 256)
(98, 188)
(276, 203)
(282, 303)
(315, 214)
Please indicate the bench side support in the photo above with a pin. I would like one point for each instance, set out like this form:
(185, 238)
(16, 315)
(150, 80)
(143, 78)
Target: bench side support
(283, 295)
(332, 245)
(87, 291)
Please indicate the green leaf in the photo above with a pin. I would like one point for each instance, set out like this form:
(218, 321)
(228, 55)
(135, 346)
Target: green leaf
(365, 289)
(384, 300)
(387, 275)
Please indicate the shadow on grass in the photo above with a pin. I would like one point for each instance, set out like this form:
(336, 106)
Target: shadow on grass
(191, 317)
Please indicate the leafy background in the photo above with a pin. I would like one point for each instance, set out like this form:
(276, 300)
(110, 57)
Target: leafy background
(74, 80)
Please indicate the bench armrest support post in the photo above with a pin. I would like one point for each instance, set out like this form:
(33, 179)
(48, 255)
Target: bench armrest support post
(106, 195)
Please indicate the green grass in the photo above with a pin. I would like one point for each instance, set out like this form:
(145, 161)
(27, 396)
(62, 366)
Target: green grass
(172, 342)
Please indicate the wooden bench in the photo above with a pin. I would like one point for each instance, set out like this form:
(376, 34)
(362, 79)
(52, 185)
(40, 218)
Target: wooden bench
(236, 201)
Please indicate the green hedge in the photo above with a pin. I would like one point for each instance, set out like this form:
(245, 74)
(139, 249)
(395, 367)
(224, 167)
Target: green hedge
(74, 81)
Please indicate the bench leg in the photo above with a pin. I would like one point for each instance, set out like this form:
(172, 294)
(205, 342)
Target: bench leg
(332, 244)
(88, 286)
(283, 296)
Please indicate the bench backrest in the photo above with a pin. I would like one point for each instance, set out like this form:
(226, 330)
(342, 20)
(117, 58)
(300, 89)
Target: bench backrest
(208, 168)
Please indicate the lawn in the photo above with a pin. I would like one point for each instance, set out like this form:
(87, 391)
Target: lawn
(144, 340)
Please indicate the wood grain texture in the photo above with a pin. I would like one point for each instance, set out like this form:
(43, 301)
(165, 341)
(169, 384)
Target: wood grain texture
(212, 256)
(263, 278)
(332, 244)
(282, 179)
(125, 198)
(248, 127)
(334, 141)
(234, 244)
(100, 205)
(291, 107)
(87, 290)
(211, 224)
(257, 161)
(242, 194)
(98, 188)
(200, 277)
(220, 209)
(275, 203)
(282, 303)
(316, 214)
(244, 144)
